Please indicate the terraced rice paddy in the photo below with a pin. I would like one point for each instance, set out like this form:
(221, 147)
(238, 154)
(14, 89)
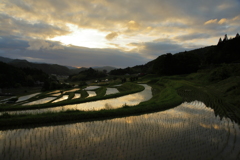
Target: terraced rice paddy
(23, 98)
(56, 94)
(64, 97)
(91, 88)
(41, 101)
(77, 95)
(111, 91)
(130, 100)
(54, 91)
(6, 99)
(91, 94)
(189, 131)
(73, 90)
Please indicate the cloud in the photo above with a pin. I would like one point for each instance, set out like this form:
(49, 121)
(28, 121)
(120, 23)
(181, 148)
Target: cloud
(158, 47)
(222, 21)
(39, 44)
(49, 52)
(216, 21)
(12, 42)
(111, 36)
(192, 36)
(109, 16)
(211, 21)
(14, 26)
(177, 25)
(237, 18)
(132, 25)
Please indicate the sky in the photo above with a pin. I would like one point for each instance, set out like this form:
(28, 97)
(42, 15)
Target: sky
(119, 33)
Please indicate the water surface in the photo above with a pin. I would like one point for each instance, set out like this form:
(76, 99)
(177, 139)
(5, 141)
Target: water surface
(189, 131)
(77, 95)
(91, 94)
(40, 101)
(73, 90)
(64, 97)
(130, 100)
(54, 92)
(111, 91)
(23, 98)
(91, 88)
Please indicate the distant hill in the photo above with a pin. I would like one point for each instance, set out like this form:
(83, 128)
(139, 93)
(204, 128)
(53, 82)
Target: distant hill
(87, 75)
(107, 68)
(51, 68)
(11, 76)
(70, 67)
(47, 68)
(77, 70)
(5, 60)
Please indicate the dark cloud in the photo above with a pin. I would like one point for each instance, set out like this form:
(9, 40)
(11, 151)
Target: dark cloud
(12, 42)
(39, 44)
(152, 50)
(192, 36)
(20, 27)
(71, 55)
(158, 47)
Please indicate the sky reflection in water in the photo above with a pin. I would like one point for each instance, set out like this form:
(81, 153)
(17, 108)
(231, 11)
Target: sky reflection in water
(91, 94)
(189, 131)
(40, 101)
(91, 88)
(64, 97)
(23, 98)
(77, 95)
(131, 100)
(111, 91)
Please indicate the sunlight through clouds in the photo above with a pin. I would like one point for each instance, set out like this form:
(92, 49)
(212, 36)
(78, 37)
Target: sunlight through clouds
(125, 27)
(90, 38)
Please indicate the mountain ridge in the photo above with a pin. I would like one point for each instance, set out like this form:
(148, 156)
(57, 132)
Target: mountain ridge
(50, 68)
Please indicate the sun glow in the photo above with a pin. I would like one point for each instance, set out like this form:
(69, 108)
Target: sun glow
(89, 38)
(93, 38)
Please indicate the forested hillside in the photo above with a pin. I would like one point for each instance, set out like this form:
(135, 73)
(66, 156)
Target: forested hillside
(11, 76)
(227, 51)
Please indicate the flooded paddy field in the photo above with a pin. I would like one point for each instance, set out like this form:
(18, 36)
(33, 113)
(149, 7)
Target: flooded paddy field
(73, 90)
(91, 94)
(113, 103)
(91, 88)
(23, 98)
(41, 101)
(64, 97)
(189, 131)
(77, 95)
(111, 91)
